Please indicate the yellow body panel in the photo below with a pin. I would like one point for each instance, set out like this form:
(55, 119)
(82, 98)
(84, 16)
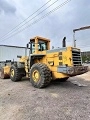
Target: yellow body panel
(53, 57)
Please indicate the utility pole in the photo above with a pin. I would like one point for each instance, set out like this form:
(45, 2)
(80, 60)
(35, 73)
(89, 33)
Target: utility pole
(82, 28)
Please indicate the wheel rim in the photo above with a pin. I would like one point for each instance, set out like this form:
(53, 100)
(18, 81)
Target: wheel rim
(36, 76)
(12, 72)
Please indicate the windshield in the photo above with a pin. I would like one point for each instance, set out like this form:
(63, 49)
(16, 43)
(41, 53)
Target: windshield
(42, 45)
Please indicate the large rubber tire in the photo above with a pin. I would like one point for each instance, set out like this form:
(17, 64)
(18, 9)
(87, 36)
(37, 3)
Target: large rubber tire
(44, 73)
(18, 73)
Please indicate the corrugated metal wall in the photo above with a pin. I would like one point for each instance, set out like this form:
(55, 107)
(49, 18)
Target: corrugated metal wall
(11, 52)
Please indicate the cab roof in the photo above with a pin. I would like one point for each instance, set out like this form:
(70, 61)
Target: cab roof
(41, 38)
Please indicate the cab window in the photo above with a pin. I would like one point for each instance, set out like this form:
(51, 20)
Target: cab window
(42, 45)
(33, 47)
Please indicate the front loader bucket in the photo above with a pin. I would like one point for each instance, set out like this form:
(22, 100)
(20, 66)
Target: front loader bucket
(4, 74)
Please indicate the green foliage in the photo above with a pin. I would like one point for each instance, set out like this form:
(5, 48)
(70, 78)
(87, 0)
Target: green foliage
(85, 58)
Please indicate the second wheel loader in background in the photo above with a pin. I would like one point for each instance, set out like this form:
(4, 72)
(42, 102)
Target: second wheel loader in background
(43, 65)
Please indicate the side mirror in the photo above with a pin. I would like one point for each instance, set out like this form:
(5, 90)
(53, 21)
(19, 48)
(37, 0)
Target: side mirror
(27, 45)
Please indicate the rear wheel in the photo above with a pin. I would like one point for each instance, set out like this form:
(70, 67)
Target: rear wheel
(16, 73)
(40, 75)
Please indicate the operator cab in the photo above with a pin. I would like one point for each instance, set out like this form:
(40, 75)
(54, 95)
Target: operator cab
(39, 44)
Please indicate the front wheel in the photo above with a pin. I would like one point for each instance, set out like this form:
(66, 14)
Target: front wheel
(16, 73)
(40, 75)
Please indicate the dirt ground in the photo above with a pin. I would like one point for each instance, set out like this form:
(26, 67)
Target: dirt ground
(60, 101)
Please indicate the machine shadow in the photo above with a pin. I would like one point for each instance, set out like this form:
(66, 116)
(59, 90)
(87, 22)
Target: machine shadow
(25, 79)
(74, 83)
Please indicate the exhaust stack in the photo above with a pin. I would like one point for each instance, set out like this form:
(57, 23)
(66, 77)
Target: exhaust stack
(64, 42)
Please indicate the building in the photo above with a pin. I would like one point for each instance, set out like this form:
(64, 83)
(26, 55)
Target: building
(10, 52)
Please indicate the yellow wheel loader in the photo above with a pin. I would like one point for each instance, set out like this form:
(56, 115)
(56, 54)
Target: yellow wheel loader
(42, 65)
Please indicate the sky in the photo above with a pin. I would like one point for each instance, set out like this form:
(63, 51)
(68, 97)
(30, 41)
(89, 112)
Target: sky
(56, 26)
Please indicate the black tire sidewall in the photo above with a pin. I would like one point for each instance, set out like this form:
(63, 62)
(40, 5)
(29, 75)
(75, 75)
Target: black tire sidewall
(41, 78)
(14, 77)
(45, 75)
